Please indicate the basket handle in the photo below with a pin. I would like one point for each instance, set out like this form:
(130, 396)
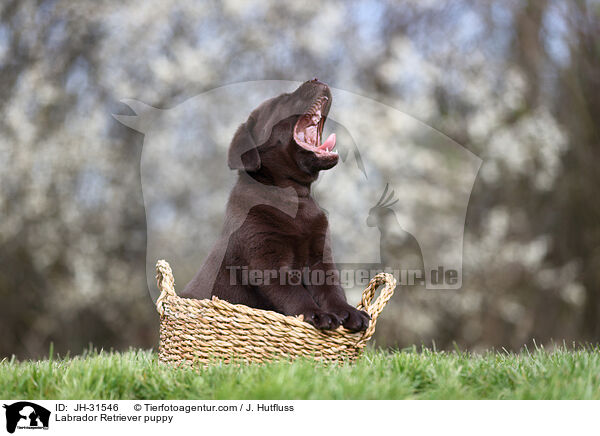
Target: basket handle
(375, 308)
(165, 282)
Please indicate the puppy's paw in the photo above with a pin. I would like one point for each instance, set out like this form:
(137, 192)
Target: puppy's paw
(322, 320)
(351, 318)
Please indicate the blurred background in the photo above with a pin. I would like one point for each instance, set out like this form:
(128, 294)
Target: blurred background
(514, 82)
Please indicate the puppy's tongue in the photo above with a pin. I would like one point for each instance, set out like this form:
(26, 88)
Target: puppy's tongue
(328, 144)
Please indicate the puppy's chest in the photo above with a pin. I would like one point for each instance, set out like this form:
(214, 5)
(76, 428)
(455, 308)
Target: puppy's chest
(310, 221)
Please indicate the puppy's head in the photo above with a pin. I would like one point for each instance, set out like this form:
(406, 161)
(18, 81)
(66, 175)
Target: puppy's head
(283, 136)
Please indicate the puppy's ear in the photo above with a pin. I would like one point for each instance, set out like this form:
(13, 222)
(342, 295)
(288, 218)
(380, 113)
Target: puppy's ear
(243, 154)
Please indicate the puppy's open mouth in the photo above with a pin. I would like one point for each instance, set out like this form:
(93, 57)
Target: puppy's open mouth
(309, 128)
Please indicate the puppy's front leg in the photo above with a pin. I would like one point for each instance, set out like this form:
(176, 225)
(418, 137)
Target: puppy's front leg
(330, 295)
(288, 296)
(296, 300)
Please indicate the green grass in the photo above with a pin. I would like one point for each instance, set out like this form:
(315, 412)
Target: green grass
(426, 374)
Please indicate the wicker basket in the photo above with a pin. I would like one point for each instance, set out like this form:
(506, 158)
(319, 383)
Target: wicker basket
(204, 331)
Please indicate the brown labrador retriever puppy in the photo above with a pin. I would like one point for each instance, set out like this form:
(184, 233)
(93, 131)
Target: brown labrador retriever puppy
(273, 229)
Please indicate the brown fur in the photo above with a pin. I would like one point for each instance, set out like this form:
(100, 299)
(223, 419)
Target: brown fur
(272, 222)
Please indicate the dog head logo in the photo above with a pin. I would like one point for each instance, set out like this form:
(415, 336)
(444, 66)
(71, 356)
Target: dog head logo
(26, 415)
(186, 181)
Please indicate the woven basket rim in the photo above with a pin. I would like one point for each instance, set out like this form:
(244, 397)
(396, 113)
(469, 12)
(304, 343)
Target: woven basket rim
(295, 321)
